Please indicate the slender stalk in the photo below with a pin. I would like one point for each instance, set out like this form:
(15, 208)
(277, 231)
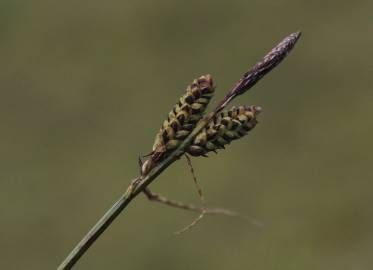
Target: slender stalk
(95, 232)
(250, 78)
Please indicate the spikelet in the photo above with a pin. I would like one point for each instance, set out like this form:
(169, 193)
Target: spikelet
(225, 127)
(184, 116)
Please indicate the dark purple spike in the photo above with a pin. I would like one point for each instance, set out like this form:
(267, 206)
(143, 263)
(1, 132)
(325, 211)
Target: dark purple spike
(270, 61)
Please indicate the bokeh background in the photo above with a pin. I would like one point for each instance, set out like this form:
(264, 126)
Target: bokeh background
(85, 86)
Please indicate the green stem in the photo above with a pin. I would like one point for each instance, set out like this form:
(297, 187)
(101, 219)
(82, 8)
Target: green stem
(95, 232)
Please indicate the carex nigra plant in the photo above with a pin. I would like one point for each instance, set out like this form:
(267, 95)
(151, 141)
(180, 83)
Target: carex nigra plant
(188, 130)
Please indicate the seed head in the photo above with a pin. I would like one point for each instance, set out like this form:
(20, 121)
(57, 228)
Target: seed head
(184, 116)
(225, 127)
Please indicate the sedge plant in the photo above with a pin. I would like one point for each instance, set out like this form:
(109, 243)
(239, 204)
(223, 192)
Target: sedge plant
(188, 130)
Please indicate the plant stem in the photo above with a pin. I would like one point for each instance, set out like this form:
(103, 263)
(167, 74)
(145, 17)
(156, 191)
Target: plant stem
(271, 60)
(95, 232)
(137, 185)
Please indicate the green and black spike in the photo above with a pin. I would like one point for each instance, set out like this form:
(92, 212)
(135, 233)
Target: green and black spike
(184, 116)
(224, 128)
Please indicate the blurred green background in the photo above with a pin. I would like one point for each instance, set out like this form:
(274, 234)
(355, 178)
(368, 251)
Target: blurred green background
(85, 86)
